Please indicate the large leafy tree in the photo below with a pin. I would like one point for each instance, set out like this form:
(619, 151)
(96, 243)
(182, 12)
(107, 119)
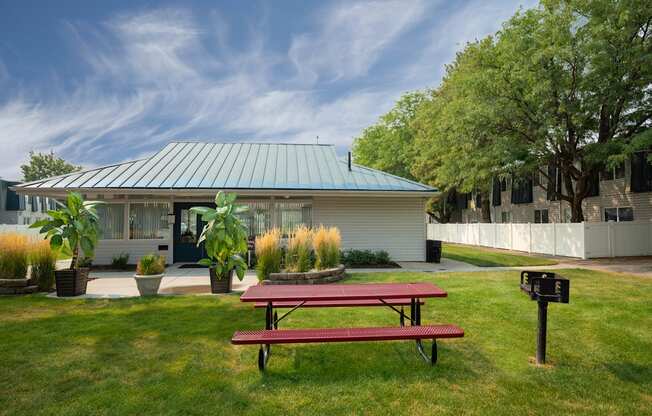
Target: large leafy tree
(456, 151)
(46, 165)
(569, 85)
(389, 144)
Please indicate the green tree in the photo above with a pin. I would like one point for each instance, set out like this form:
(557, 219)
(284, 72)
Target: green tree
(569, 85)
(46, 165)
(389, 144)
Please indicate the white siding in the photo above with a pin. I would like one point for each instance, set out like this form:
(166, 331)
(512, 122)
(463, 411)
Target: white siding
(396, 225)
(106, 249)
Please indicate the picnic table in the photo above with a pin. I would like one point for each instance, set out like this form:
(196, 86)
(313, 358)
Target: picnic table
(390, 295)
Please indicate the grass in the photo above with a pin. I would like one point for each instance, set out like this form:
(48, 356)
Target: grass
(486, 257)
(172, 356)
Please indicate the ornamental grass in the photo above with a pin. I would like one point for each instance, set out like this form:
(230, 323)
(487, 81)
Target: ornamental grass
(326, 243)
(14, 255)
(268, 253)
(43, 261)
(298, 255)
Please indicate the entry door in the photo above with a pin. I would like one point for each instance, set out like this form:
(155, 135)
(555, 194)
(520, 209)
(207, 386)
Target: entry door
(187, 229)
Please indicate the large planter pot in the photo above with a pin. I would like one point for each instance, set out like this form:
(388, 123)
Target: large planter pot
(148, 285)
(222, 285)
(71, 282)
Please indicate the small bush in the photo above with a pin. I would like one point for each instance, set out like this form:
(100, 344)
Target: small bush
(366, 258)
(297, 257)
(85, 262)
(120, 261)
(44, 262)
(326, 243)
(150, 264)
(14, 252)
(268, 254)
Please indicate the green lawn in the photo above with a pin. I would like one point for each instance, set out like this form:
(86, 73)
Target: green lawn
(172, 356)
(486, 257)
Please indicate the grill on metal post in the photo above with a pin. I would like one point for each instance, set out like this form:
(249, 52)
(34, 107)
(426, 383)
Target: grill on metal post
(544, 287)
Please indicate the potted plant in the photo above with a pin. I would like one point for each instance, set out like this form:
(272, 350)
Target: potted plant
(225, 238)
(75, 223)
(149, 272)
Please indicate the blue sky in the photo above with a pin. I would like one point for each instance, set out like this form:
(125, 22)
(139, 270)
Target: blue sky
(100, 82)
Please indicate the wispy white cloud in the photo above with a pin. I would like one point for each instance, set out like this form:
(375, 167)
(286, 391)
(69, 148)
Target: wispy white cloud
(350, 37)
(158, 75)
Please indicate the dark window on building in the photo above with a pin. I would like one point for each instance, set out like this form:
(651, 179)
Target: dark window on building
(554, 183)
(609, 174)
(503, 185)
(478, 200)
(13, 201)
(641, 172)
(522, 191)
(593, 185)
(462, 201)
(495, 192)
(541, 216)
(619, 214)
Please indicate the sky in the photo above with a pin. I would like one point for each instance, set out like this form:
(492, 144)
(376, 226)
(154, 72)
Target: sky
(100, 82)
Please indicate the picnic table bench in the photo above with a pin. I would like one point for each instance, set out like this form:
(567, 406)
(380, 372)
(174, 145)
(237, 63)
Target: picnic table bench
(390, 295)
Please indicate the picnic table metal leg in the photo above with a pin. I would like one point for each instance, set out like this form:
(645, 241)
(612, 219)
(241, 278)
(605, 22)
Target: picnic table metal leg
(265, 350)
(415, 317)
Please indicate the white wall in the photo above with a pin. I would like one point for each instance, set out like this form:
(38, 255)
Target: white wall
(106, 249)
(21, 229)
(584, 240)
(396, 225)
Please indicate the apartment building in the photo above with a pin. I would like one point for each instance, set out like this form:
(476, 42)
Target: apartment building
(21, 209)
(620, 194)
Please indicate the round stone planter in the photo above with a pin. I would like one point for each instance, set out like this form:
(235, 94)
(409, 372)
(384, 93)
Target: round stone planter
(148, 285)
(316, 277)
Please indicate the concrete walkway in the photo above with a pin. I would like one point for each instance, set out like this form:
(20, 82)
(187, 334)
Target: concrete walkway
(178, 281)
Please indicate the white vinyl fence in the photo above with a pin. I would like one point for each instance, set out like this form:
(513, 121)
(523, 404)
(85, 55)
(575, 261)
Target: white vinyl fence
(20, 229)
(584, 240)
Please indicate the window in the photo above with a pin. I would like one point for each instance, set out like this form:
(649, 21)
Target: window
(609, 174)
(495, 192)
(112, 221)
(505, 217)
(568, 214)
(541, 216)
(522, 191)
(44, 206)
(148, 221)
(188, 227)
(292, 214)
(641, 180)
(34, 203)
(619, 214)
(503, 185)
(259, 217)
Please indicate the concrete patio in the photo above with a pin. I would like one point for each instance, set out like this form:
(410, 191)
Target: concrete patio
(195, 281)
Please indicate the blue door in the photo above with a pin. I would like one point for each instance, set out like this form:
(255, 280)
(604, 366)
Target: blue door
(187, 229)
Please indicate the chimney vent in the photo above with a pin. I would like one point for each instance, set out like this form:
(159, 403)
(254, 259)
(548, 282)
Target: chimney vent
(349, 161)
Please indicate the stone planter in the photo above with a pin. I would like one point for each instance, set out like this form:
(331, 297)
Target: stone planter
(308, 278)
(222, 285)
(148, 285)
(17, 286)
(71, 282)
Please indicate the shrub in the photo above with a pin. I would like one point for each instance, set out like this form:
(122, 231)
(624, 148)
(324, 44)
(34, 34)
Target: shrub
(326, 243)
(268, 254)
(365, 258)
(44, 261)
(150, 264)
(85, 262)
(297, 257)
(14, 251)
(120, 261)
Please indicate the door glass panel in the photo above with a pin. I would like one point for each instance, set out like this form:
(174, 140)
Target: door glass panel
(188, 225)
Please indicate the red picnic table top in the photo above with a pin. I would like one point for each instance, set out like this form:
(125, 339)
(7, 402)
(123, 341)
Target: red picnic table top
(281, 293)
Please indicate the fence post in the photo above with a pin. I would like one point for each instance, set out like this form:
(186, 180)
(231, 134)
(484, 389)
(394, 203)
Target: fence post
(584, 256)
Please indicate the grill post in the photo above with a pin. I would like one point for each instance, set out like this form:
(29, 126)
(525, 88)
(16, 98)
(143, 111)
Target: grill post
(543, 327)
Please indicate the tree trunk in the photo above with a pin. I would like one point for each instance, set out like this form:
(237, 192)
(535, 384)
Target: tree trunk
(75, 256)
(486, 207)
(577, 215)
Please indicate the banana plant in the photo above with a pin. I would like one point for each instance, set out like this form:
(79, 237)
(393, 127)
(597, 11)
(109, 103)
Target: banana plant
(75, 222)
(224, 235)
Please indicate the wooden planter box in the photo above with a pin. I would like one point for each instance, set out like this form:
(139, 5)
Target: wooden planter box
(308, 278)
(222, 285)
(71, 282)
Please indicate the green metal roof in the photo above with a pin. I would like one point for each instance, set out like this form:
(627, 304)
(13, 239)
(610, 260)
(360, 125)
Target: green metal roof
(252, 166)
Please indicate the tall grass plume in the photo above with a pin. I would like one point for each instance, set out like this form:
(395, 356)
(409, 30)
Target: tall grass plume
(326, 243)
(268, 253)
(297, 257)
(14, 251)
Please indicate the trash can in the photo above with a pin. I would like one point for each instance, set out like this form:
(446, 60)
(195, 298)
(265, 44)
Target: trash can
(433, 251)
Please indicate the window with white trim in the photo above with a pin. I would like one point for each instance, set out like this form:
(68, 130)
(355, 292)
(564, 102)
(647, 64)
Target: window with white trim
(541, 216)
(149, 221)
(619, 214)
(111, 221)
